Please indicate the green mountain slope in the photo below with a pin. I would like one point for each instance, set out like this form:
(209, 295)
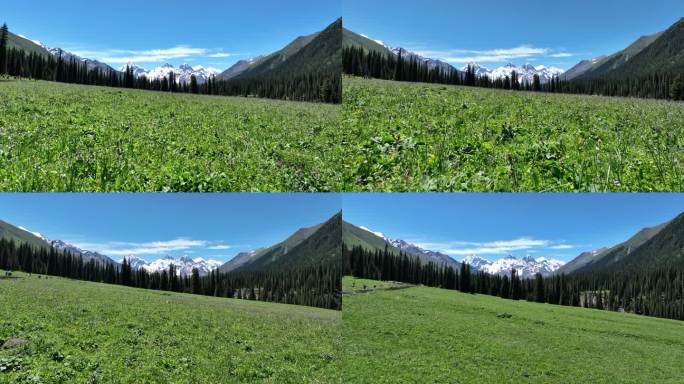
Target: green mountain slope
(650, 247)
(18, 42)
(351, 39)
(609, 64)
(318, 52)
(660, 53)
(317, 245)
(20, 236)
(663, 249)
(353, 236)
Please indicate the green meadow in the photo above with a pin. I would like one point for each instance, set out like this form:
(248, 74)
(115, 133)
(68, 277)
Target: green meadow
(426, 137)
(63, 331)
(431, 335)
(64, 137)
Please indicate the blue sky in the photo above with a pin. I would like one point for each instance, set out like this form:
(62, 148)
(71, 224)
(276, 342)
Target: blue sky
(151, 226)
(492, 33)
(153, 32)
(555, 226)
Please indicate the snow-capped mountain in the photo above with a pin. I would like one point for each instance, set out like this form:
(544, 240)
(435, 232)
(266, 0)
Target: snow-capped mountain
(183, 265)
(63, 246)
(526, 267)
(431, 63)
(476, 262)
(424, 254)
(525, 73)
(68, 56)
(182, 73)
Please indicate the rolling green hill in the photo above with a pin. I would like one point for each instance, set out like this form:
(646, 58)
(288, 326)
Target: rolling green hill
(18, 42)
(352, 39)
(316, 245)
(402, 334)
(20, 236)
(64, 331)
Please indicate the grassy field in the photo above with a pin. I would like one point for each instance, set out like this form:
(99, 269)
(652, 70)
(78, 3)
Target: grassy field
(429, 335)
(59, 137)
(420, 137)
(63, 331)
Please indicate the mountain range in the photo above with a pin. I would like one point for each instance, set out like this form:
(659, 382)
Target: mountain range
(526, 267)
(182, 74)
(661, 52)
(307, 247)
(658, 246)
(184, 265)
(372, 240)
(525, 72)
(317, 52)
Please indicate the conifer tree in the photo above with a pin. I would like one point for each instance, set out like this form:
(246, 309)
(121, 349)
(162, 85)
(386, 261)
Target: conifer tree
(4, 41)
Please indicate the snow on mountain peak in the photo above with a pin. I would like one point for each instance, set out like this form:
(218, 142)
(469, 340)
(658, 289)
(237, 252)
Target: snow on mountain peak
(184, 265)
(182, 74)
(378, 234)
(526, 267)
(36, 234)
(525, 73)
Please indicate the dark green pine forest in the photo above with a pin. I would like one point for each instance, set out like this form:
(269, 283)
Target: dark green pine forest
(311, 74)
(309, 274)
(656, 69)
(644, 275)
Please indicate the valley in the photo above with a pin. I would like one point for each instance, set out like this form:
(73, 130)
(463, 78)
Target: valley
(61, 330)
(432, 335)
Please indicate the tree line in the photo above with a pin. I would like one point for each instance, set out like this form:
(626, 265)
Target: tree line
(657, 292)
(318, 286)
(318, 86)
(360, 62)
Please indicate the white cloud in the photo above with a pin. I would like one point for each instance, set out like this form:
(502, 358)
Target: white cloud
(562, 54)
(563, 246)
(465, 56)
(221, 246)
(120, 248)
(123, 56)
(497, 247)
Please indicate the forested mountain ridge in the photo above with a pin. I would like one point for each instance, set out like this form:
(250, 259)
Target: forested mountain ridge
(611, 258)
(21, 236)
(352, 39)
(354, 236)
(664, 54)
(320, 244)
(263, 64)
(28, 46)
(604, 64)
